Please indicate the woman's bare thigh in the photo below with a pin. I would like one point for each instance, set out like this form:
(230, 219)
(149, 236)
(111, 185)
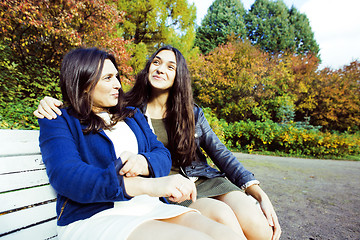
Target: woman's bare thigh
(218, 211)
(161, 230)
(205, 225)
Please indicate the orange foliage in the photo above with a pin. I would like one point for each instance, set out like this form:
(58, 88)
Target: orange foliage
(45, 30)
(303, 69)
(239, 82)
(230, 78)
(338, 98)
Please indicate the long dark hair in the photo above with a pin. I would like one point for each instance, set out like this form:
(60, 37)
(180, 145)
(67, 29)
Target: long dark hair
(179, 116)
(81, 70)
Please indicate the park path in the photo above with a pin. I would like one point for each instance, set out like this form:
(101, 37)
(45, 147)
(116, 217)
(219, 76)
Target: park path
(314, 199)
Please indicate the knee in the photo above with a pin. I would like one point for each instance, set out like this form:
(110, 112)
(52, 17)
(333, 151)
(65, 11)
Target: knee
(264, 233)
(260, 227)
(219, 212)
(223, 214)
(216, 210)
(252, 220)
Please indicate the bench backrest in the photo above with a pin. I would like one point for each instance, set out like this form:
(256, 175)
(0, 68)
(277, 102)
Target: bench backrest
(27, 201)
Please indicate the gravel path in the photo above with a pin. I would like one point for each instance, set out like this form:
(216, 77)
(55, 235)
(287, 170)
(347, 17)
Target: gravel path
(314, 199)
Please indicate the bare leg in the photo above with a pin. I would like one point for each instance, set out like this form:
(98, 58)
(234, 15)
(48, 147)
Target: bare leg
(219, 212)
(203, 224)
(164, 231)
(251, 218)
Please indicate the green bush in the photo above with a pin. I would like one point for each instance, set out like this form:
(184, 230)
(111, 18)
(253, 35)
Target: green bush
(22, 85)
(291, 139)
(218, 126)
(18, 115)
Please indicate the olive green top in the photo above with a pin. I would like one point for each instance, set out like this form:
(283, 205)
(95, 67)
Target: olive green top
(160, 130)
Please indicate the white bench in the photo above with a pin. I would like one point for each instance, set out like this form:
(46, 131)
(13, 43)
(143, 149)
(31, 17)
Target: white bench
(27, 201)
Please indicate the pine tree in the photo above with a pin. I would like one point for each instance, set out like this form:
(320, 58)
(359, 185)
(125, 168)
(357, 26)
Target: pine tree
(304, 36)
(268, 25)
(275, 28)
(223, 19)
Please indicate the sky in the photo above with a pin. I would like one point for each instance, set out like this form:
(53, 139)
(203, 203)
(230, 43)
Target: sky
(335, 23)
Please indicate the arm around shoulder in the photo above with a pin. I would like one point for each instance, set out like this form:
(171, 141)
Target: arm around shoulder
(48, 108)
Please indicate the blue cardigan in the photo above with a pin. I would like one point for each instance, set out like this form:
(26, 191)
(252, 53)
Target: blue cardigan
(83, 169)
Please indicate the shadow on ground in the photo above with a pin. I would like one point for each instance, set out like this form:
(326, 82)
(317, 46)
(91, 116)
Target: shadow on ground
(314, 199)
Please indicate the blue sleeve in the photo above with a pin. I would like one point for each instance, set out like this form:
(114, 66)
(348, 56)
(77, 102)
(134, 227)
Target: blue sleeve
(157, 155)
(220, 155)
(72, 170)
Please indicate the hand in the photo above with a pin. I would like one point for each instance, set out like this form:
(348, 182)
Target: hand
(176, 187)
(267, 209)
(271, 217)
(48, 107)
(133, 165)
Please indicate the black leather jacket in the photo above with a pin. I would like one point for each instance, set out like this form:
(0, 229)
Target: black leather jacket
(222, 157)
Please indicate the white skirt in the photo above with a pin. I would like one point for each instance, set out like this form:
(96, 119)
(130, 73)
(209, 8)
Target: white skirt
(118, 222)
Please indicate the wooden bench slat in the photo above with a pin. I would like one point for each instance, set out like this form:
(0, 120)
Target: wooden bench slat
(20, 180)
(20, 163)
(19, 142)
(26, 197)
(27, 201)
(44, 231)
(26, 217)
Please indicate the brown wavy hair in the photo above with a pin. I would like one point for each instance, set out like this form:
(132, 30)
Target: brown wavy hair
(80, 71)
(179, 118)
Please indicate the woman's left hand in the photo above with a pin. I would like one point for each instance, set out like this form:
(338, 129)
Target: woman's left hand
(271, 217)
(267, 209)
(133, 165)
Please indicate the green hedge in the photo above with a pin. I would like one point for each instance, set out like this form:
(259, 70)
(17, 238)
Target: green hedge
(296, 139)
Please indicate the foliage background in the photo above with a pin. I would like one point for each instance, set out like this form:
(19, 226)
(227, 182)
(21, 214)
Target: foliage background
(258, 81)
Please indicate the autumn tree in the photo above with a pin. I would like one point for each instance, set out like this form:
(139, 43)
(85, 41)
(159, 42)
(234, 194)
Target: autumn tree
(237, 81)
(327, 98)
(223, 19)
(275, 28)
(337, 98)
(150, 24)
(36, 34)
(47, 29)
(303, 68)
